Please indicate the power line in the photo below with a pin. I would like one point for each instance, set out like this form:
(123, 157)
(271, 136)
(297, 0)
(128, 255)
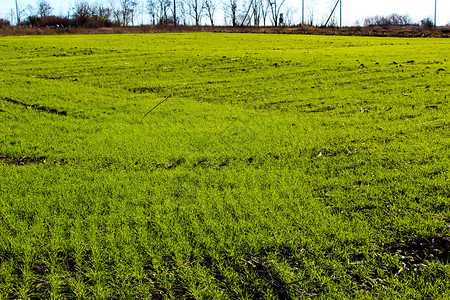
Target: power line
(332, 12)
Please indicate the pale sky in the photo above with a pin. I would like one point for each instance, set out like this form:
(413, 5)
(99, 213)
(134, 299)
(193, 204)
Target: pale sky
(352, 10)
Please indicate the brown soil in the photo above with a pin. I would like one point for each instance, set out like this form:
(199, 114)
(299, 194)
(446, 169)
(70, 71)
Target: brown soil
(416, 252)
(21, 161)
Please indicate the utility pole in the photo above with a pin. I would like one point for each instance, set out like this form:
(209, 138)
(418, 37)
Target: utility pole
(17, 13)
(303, 12)
(340, 10)
(435, 4)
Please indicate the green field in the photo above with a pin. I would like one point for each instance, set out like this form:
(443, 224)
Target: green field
(280, 166)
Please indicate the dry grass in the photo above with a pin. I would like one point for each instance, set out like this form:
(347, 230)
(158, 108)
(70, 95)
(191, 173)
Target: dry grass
(400, 31)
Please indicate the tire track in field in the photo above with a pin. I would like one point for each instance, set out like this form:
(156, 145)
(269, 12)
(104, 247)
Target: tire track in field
(36, 107)
(21, 161)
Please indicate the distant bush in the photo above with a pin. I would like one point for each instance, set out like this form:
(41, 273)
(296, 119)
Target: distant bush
(4, 23)
(89, 16)
(427, 23)
(93, 22)
(392, 20)
(49, 21)
(166, 21)
(58, 22)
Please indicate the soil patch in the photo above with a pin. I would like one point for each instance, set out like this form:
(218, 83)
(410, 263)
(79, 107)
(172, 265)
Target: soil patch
(37, 107)
(21, 161)
(416, 252)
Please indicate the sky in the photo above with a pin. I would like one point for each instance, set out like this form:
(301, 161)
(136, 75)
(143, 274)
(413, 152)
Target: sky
(353, 11)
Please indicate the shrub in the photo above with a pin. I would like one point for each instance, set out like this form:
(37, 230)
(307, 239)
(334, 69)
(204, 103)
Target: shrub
(427, 23)
(392, 20)
(49, 21)
(4, 23)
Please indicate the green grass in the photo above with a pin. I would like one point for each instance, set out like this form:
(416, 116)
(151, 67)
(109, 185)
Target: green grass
(281, 167)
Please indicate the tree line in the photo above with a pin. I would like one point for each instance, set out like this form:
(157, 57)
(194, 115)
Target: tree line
(157, 12)
(180, 12)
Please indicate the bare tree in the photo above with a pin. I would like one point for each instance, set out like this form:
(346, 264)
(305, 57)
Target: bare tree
(246, 16)
(311, 12)
(159, 11)
(196, 9)
(128, 8)
(152, 10)
(231, 10)
(289, 16)
(134, 9)
(44, 9)
(30, 10)
(257, 9)
(82, 13)
(400, 20)
(115, 11)
(265, 11)
(210, 8)
(392, 20)
(182, 12)
(275, 8)
(101, 11)
(164, 11)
